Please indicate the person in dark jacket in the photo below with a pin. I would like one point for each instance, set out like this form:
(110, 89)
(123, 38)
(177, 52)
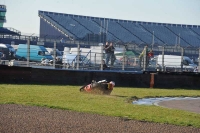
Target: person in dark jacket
(109, 50)
(113, 58)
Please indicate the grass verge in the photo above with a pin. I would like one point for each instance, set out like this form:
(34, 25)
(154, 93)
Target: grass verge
(117, 104)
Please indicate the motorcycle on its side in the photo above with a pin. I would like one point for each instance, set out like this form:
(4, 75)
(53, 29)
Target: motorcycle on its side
(100, 87)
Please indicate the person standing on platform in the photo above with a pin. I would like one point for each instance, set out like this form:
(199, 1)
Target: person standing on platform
(113, 58)
(107, 49)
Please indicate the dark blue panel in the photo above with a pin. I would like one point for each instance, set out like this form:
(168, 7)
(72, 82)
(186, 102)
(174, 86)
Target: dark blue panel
(184, 26)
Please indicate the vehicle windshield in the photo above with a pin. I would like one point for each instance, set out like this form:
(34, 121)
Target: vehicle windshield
(47, 53)
(189, 60)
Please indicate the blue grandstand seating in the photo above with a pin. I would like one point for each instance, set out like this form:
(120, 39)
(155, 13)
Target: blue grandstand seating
(139, 31)
(197, 31)
(121, 33)
(127, 31)
(71, 25)
(162, 35)
(88, 24)
(102, 27)
(186, 34)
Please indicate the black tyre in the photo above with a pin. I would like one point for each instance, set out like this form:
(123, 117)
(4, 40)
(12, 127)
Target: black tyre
(82, 88)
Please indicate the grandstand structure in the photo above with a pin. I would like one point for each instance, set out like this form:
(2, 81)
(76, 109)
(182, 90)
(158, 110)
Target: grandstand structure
(96, 29)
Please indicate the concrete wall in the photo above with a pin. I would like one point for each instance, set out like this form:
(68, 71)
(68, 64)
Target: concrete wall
(73, 77)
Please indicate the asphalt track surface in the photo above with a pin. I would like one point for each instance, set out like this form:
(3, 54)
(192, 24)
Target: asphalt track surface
(188, 105)
(31, 119)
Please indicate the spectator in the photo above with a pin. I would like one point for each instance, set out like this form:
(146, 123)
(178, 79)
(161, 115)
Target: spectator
(113, 58)
(144, 55)
(108, 52)
(150, 55)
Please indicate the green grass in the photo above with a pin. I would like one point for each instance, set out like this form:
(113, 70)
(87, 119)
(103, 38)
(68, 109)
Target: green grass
(117, 104)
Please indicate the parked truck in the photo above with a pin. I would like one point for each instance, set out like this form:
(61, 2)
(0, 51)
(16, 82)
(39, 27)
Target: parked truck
(37, 53)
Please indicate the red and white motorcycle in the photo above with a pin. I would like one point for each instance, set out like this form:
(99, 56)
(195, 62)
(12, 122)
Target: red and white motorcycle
(100, 87)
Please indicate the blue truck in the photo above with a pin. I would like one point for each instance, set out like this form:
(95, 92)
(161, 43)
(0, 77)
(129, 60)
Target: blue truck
(37, 53)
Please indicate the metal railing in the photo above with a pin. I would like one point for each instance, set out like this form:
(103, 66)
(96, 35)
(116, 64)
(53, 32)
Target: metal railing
(164, 59)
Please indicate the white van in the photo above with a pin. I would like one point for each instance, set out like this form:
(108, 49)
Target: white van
(173, 63)
(58, 53)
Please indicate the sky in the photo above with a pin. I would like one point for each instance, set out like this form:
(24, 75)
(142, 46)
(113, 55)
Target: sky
(22, 15)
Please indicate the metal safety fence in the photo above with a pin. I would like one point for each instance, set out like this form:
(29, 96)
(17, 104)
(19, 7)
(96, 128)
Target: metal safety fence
(160, 58)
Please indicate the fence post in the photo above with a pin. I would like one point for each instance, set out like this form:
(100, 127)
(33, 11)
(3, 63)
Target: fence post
(54, 55)
(90, 56)
(101, 45)
(152, 41)
(95, 56)
(163, 54)
(28, 52)
(145, 58)
(123, 64)
(182, 50)
(78, 55)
